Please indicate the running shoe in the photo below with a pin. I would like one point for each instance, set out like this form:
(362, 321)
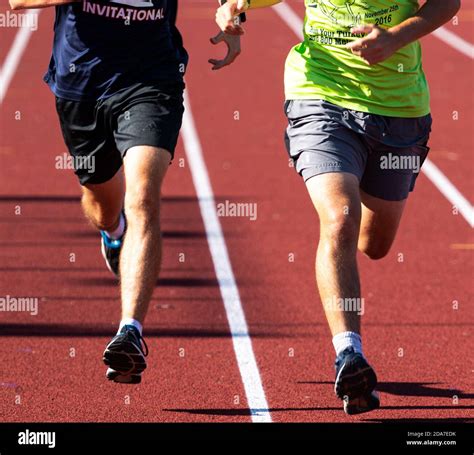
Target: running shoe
(355, 382)
(125, 356)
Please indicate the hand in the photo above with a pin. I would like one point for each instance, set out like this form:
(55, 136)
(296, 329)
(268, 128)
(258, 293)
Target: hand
(226, 14)
(233, 49)
(377, 46)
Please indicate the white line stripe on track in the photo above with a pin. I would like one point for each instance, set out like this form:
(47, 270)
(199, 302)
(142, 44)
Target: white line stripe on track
(8, 69)
(450, 192)
(288, 15)
(455, 41)
(439, 180)
(242, 343)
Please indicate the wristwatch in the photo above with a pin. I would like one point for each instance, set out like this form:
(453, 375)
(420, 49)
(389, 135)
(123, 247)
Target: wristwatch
(242, 17)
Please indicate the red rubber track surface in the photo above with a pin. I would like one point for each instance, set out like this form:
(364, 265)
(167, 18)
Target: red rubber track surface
(52, 361)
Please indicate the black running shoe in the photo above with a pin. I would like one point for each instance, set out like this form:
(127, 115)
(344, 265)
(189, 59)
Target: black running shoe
(111, 250)
(355, 382)
(125, 356)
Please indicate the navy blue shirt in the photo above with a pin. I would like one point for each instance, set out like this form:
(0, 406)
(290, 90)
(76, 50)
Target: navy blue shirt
(103, 46)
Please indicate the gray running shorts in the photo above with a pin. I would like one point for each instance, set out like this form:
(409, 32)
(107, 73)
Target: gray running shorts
(384, 153)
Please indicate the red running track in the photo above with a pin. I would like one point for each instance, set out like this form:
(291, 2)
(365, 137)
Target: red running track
(52, 361)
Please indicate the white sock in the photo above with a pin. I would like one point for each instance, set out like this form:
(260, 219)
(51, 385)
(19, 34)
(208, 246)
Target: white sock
(344, 340)
(118, 232)
(130, 321)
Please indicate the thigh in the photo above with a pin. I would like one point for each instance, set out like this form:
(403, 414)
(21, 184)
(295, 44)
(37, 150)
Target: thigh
(336, 198)
(145, 168)
(149, 115)
(318, 142)
(90, 142)
(398, 148)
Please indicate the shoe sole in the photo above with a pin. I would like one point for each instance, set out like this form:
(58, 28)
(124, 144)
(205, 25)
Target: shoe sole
(115, 376)
(125, 361)
(362, 404)
(355, 383)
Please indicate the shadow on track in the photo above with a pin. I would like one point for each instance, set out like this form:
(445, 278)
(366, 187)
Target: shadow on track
(413, 389)
(75, 330)
(246, 412)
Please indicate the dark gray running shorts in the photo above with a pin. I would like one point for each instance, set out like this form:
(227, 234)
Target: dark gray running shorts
(384, 153)
(99, 133)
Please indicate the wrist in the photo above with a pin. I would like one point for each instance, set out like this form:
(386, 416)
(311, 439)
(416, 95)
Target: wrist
(237, 6)
(244, 7)
(408, 31)
(398, 38)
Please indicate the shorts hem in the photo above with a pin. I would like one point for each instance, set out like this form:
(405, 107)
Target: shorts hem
(314, 173)
(124, 148)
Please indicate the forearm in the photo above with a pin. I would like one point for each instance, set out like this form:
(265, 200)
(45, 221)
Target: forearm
(433, 14)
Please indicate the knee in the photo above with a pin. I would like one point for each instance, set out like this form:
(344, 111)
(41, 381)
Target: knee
(142, 208)
(340, 230)
(374, 249)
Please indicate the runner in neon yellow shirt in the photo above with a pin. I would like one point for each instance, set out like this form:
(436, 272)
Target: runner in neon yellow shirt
(357, 104)
(323, 66)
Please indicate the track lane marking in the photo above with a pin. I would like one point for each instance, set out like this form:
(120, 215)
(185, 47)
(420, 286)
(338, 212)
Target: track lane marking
(455, 41)
(434, 174)
(241, 341)
(9, 67)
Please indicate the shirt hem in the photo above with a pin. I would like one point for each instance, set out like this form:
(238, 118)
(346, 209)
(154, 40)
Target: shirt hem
(376, 110)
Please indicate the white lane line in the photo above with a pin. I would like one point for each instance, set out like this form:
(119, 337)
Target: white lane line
(455, 41)
(434, 174)
(288, 15)
(451, 193)
(242, 343)
(8, 69)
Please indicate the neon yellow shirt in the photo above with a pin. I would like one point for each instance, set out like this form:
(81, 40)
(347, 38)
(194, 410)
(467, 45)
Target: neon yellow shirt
(321, 67)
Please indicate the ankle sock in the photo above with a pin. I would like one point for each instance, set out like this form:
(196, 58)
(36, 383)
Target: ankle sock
(345, 340)
(119, 230)
(130, 321)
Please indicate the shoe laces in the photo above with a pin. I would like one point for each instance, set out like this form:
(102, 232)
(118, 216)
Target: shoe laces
(140, 338)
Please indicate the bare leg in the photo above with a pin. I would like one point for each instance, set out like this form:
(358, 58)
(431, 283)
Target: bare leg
(103, 202)
(380, 221)
(145, 168)
(337, 201)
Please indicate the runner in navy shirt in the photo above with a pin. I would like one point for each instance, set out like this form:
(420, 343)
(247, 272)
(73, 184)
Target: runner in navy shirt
(102, 47)
(117, 72)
